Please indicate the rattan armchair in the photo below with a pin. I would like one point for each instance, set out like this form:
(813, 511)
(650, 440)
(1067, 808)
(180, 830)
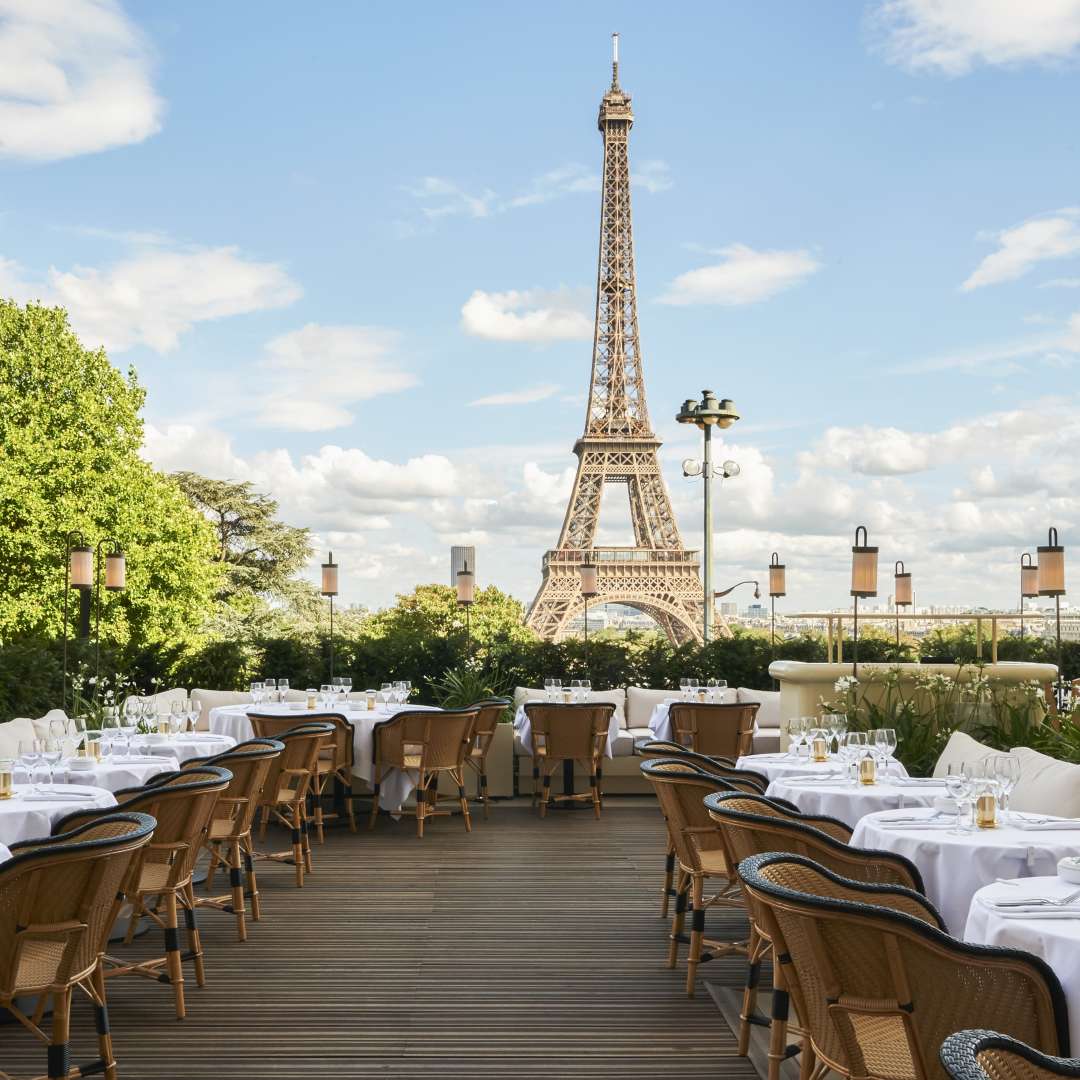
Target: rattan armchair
(291, 779)
(989, 1055)
(427, 743)
(701, 855)
(717, 730)
(335, 765)
(228, 837)
(59, 898)
(183, 804)
(879, 985)
(753, 825)
(488, 714)
(568, 733)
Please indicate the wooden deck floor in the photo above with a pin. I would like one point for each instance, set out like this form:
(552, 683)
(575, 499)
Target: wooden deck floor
(526, 949)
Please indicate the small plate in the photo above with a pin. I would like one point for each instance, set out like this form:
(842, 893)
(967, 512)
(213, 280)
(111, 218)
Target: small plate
(80, 764)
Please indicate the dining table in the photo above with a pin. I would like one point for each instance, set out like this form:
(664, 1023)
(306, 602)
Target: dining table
(112, 773)
(185, 746)
(775, 766)
(1041, 916)
(837, 797)
(956, 865)
(394, 789)
(32, 810)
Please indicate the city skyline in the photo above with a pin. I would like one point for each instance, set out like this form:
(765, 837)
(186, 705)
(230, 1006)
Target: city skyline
(356, 268)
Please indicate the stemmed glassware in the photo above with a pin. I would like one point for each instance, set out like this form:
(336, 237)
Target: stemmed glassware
(959, 781)
(795, 734)
(854, 747)
(257, 693)
(885, 744)
(684, 689)
(1007, 772)
(385, 693)
(837, 728)
(51, 755)
(283, 690)
(30, 758)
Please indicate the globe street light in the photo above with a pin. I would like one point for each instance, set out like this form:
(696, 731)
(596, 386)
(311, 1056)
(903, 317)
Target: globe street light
(707, 414)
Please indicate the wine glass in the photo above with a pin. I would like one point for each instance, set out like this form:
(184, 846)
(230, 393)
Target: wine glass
(958, 783)
(855, 747)
(885, 742)
(79, 723)
(548, 688)
(1007, 772)
(283, 690)
(256, 692)
(346, 685)
(51, 754)
(385, 693)
(711, 687)
(193, 714)
(684, 689)
(795, 732)
(30, 757)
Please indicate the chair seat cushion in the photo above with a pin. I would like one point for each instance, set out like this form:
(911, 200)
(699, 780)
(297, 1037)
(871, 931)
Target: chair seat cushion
(713, 862)
(623, 744)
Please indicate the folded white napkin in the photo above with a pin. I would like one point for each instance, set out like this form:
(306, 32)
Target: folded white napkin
(1069, 911)
(1054, 825)
(917, 781)
(896, 826)
(55, 796)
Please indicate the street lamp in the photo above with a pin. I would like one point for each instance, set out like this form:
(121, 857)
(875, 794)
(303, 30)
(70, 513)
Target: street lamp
(329, 589)
(902, 594)
(707, 414)
(1029, 584)
(863, 583)
(1052, 583)
(590, 587)
(115, 581)
(466, 595)
(777, 587)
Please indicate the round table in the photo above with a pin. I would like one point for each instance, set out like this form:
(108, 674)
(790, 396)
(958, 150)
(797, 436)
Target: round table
(27, 816)
(849, 803)
(774, 766)
(200, 744)
(1052, 936)
(954, 867)
(112, 773)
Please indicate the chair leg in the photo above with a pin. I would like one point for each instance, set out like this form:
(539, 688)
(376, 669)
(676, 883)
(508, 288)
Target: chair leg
(305, 838)
(750, 990)
(320, 835)
(174, 965)
(349, 809)
(679, 919)
(297, 846)
(215, 860)
(536, 783)
(194, 940)
(421, 804)
(594, 788)
(669, 880)
(778, 1022)
(463, 800)
(101, 1018)
(483, 786)
(59, 1053)
(374, 815)
(252, 881)
(697, 929)
(546, 796)
(236, 885)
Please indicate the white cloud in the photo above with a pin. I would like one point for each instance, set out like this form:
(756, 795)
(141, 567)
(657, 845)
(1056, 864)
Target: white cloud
(651, 176)
(155, 295)
(1052, 236)
(536, 315)
(565, 180)
(75, 78)
(444, 198)
(953, 36)
(742, 276)
(312, 375)
(1061, 283)
(526, 396)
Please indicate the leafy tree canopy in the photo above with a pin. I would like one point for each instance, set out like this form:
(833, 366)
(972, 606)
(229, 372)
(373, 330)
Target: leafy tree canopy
(70, 434)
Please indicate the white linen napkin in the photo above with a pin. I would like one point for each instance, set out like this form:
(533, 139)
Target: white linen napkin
(54, 796)
(1053, 825)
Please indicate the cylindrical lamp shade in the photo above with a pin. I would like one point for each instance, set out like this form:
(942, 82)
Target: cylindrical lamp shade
(329, 577)
(902, 594)
(81, 568)
(1029, 576)
(777, 577)
(115, 571)
(590, 579)
(466, 586)
(1051, 567)
(863, 566)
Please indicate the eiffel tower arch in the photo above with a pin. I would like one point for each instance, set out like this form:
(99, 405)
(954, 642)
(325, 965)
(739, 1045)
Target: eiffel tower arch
(658, 576)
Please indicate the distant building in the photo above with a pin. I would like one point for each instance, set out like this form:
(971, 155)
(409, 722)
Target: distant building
(728, 609)
(757, 611)
(459, 556)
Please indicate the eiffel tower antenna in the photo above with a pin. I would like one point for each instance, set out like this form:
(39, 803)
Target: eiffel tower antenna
(657, 575)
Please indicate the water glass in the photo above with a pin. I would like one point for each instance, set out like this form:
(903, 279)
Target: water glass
(958, 783)
(386, 693)
(257, 693)
(1007, 772)
(684, 689)
(283, 690)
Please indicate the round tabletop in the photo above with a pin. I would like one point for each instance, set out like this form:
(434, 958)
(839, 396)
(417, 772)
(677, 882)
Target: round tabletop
(850, 802)
(112, 773)
(28, 815)
(955, 866)
(775, 766)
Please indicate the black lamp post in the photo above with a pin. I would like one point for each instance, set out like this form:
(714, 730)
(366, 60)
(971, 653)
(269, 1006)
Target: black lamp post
(902, 594)
(863, 584)
(115, 581)
(1029, 584)
(589, 574)
(329, 589)
(1052, 583)
(466, 596)
(78, 574)
(777, 587)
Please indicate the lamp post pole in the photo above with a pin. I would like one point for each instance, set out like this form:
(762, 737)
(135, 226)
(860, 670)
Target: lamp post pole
(115, 581)
(1052, 583)
(707, 414)
(466, 594)
(1029, 584)
(863, 583)
(590, 587)
(329, 589)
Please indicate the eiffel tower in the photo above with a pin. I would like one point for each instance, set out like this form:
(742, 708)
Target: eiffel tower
(658, 576)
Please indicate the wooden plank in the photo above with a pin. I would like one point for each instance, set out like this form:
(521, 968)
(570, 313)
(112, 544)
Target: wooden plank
(526, 948)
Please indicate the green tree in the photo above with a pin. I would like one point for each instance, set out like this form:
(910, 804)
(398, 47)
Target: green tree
(70, 435)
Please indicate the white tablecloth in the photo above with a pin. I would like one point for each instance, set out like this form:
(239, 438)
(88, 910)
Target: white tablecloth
(774, 766)
(660, 721)
(23, 817)
(1054, 938)
(954, 867)
(183, 748)
(111, 774)
(232, 720)
(523, 727)
(847, 803)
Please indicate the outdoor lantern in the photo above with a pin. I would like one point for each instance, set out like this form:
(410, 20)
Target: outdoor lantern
(1051, 567)
(81, 567)
(115, 571)
(902, 594)
(589, 579)
(777, 577)
(329, 577)
(1029, 576)
(863, 566)
(466, 586)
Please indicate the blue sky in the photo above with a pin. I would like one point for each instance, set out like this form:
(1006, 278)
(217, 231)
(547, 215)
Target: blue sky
(322, 233)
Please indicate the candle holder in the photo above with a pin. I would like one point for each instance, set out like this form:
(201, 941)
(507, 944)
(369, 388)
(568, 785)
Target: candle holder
(867, 770)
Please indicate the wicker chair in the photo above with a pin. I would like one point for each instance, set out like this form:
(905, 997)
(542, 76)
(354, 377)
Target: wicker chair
(488, 714)
(183, 805)
(290, 780)
(989, 1055)
(59, 897)
(568, 733)
(700, 853)
(228, 838)
(877, 982)
(724, 768)
(717, 730)
(427, 743)
(753, 825)
(335, 765)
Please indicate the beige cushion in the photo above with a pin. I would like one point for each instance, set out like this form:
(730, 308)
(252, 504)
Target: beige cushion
(214, 699)
(962, 747)
(768, 716)
(617, 698)
(161, 700)
(1046, 785)
(16, 736)
(622, 745)
(640, 702)
(53, 725)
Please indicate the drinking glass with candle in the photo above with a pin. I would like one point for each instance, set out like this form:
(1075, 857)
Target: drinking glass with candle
(370, 695)
(986, 800)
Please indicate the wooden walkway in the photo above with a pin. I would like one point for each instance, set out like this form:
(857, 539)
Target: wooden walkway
(526, 949)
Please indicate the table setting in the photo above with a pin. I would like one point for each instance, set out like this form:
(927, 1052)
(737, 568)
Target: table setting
(811, 754)
(837, 797)
(577, 693)
(711, 692)
(32, 809)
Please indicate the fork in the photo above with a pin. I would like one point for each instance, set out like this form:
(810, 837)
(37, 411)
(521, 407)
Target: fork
(1041, 901)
